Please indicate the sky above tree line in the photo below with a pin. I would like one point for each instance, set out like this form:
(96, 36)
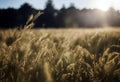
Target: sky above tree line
(40, 4)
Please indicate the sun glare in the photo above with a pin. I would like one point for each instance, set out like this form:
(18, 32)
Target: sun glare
(101, 4)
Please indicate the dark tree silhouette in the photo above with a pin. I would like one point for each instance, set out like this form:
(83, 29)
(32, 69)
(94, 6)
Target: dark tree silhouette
(113, 17)
(49, 14)
(61, 17)
(24, 12)
(71, 18)
(65, 17)
(8, 17)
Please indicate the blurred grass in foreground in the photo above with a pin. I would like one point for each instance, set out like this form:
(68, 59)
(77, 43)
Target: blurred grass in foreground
(60, 55)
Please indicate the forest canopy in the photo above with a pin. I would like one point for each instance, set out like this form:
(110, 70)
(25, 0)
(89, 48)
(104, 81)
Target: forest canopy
(64, 17)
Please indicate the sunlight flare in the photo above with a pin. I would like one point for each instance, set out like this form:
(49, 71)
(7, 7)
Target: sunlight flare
(102, 4)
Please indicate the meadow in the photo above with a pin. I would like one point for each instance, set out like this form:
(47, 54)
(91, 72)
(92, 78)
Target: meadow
(60, 55)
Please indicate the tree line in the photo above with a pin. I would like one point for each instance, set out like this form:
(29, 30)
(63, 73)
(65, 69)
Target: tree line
(65, 17)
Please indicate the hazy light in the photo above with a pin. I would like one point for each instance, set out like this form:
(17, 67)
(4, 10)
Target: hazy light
(101, 4)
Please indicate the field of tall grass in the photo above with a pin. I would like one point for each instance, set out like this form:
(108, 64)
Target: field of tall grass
(59, 55)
